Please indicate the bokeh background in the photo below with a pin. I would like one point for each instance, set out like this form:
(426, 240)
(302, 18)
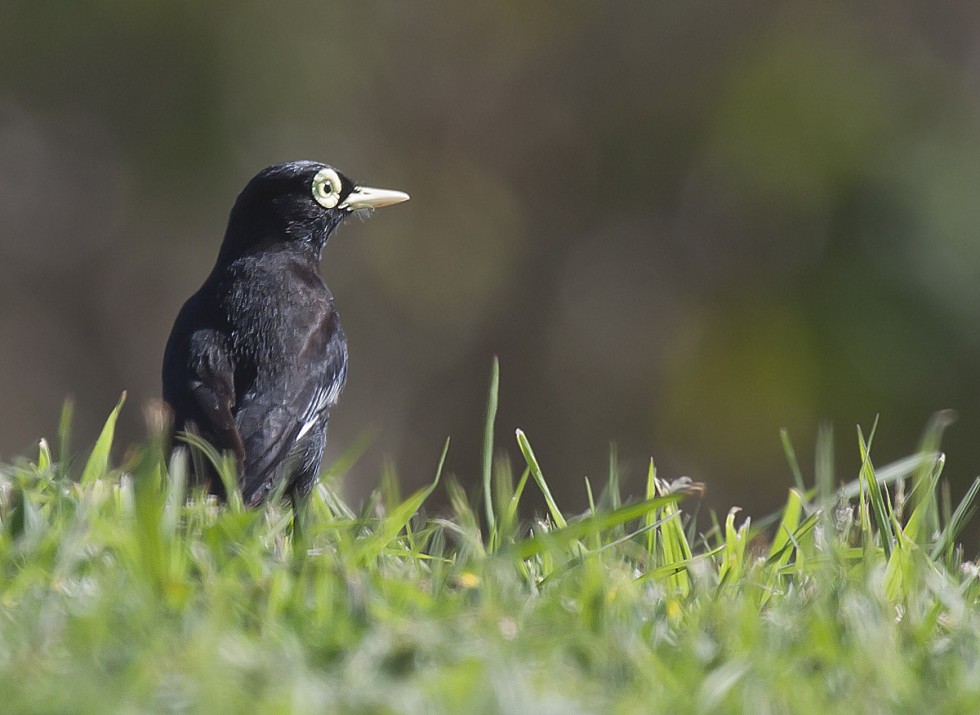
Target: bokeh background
(681, 226)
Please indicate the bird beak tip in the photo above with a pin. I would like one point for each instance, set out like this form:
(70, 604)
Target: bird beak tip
(366, 197)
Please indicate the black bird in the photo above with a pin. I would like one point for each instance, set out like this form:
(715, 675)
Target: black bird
(257, 357)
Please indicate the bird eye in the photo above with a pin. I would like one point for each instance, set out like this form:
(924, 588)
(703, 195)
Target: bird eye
(326, 188)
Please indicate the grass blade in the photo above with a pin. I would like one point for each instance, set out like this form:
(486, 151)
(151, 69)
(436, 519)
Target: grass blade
(532, 463)
(794, 465)
(64, 437)
(959, 519)
(398, 518)
(591, 524)
(492, 397)
(651, 492)
(876, 497)
(98, 461)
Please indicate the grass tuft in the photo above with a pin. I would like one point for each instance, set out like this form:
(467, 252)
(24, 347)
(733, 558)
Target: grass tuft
(126, 591)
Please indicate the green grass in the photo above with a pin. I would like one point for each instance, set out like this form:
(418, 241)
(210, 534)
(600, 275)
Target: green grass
(122, 592)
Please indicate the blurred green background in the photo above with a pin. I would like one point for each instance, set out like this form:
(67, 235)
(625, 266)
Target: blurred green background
(681, 226)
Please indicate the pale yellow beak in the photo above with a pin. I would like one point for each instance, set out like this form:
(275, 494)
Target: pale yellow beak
(364, 197)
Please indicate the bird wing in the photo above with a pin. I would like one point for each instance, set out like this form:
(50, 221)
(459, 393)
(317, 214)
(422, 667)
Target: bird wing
(212, 383)
(279, 421)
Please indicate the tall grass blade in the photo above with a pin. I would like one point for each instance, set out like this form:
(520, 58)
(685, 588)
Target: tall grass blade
(892, 472)
(44, 459)
(957, 521)
(532, 463)
(923, 496)
(676, 549)
(224, 466)
(591, 524)
(398, 517)
(824, 467)
(98, 461)
(613, 489)
(783, 541)
(650, 519)
(778, 552)
(515, 500)
(149, 498)
(733, 556)
(876, 498)
(492, 398)
(794, 465)
(64, 437)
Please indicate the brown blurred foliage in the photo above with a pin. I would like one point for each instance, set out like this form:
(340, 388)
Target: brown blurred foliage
(681, 226)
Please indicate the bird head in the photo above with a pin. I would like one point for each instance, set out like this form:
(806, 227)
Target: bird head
(298, 203)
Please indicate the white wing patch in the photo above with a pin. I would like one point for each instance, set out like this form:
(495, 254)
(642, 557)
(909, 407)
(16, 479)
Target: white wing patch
(322, 399)
(307, 426)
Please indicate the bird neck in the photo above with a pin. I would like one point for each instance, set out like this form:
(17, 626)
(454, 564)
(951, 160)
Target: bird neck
(249, 235)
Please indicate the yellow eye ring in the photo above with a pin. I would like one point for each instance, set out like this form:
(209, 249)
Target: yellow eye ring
(326, 188)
